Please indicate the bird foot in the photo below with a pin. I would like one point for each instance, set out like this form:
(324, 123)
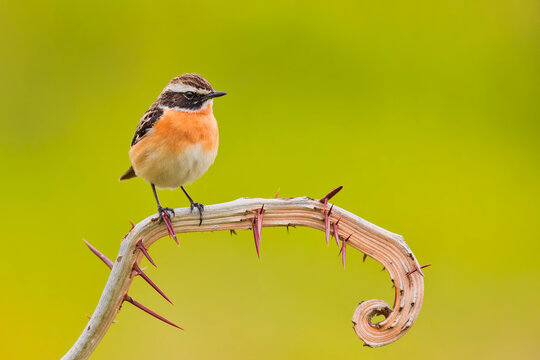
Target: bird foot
(200, 207)
(165, 216)
(165, 211)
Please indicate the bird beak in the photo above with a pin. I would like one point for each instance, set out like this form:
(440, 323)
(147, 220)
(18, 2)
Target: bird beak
(215, 94)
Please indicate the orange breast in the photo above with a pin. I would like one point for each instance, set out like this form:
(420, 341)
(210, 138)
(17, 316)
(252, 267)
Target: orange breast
(173, 134)
(177, 130)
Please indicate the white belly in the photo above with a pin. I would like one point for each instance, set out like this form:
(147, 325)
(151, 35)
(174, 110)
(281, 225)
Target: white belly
(171, 172)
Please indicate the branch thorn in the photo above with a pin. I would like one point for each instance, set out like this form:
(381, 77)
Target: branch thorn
(170, 228)
(150, 282)
(336, 232)
(137, 304)
(417, 269)
(102, 257)
(145, 252)
(327, 224)
(257, 229)
(290, 225)
(331, 194)
(343, 249)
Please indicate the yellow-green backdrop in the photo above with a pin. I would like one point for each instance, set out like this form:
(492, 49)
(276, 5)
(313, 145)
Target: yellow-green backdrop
(427, 112)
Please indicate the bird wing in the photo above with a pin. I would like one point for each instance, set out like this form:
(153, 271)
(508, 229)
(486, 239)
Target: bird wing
(146, 123)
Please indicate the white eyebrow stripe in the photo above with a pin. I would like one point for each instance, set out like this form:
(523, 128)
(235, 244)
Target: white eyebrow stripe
(184, 88)
(176, 108)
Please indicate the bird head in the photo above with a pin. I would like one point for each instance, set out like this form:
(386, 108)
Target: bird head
(188, 92)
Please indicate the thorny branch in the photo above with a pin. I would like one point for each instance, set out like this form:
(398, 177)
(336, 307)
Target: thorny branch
(253, 214)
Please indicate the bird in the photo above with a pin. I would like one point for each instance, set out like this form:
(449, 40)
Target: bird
(176, 140)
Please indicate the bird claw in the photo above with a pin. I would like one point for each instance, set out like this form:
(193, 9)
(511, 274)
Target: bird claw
(200, 207)
(165, 211)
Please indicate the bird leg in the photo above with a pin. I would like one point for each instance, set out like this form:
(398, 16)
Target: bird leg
(163, 211)
(165, 215)
(194, 205)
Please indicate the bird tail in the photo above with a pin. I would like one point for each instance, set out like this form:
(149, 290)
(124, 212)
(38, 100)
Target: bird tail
(130, 173)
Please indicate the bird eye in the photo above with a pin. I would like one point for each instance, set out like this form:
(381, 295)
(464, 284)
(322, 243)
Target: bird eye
(189, 95)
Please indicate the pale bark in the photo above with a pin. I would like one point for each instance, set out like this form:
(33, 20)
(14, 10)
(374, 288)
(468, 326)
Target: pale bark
(387, 248)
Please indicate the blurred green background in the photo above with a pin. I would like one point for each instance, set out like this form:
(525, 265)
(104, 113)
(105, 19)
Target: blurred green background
(427, 113)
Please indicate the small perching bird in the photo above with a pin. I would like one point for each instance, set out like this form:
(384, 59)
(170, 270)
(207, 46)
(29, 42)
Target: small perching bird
(177, 139)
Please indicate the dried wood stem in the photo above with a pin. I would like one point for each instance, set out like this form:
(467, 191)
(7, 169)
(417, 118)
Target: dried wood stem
(244, 214)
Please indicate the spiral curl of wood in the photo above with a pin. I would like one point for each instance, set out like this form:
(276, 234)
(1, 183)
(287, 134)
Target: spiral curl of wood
(387, 248)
